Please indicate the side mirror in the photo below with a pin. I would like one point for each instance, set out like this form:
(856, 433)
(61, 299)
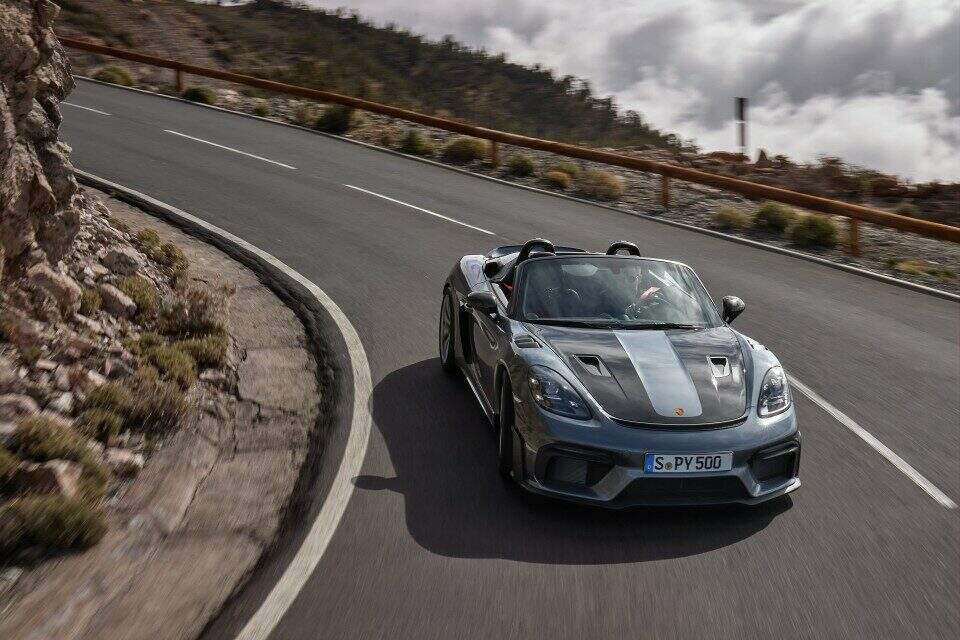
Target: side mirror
(482, 301)
(732, 307)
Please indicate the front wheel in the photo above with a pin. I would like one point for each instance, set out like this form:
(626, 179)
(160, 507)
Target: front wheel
(447, 355)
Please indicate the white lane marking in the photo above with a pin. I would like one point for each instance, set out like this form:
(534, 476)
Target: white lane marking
(313, 546)
(881, 448)
(220, 146)
(80, 106)
(413, 206)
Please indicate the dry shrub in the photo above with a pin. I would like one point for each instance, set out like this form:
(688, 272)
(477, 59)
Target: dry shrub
(89, 301)
(194, 313)
(143, 293)
(54, 522)
(557, 179)
(813, 231)
(774, 217)
(173, 364)
(464, 150)
(602, 185)
(520, 165)
(730, 218)
(209, 352)
(415, 143)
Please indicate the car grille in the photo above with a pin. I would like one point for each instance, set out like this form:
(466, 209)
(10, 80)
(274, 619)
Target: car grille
(683, 490)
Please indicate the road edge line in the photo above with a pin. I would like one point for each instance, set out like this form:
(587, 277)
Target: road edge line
(866, 273)
(902, 465)
(313, 546)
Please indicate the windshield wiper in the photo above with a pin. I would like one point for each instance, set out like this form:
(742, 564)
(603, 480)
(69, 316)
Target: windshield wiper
(664, 325)
(583, 324)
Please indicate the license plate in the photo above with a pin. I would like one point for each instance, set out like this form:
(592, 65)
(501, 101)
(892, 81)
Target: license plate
(687, 462)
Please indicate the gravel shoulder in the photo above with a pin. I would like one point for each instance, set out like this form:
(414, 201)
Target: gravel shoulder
(194, 523)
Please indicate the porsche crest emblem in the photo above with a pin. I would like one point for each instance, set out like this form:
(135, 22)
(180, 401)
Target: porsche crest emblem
(678, 411)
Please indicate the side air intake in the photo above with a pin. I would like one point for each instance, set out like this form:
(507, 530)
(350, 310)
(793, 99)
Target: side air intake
(526, 341)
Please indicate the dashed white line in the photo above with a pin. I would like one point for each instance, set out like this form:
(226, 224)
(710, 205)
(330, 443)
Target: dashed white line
(220, 146)
(878, 446)
(427, 211)
(80, 106)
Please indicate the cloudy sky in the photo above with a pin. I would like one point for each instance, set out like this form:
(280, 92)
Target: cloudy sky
(876, 82)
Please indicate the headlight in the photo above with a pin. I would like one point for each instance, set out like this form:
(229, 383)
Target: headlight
(774, 393)
(555, 394)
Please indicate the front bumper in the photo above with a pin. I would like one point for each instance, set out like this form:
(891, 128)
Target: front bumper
(603, 464)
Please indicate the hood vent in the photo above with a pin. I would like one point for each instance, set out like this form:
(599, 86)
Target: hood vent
(526, 341)
(720, 366)
(593, 365)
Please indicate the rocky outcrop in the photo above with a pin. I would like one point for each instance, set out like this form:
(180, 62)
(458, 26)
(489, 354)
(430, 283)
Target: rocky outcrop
(39, 205)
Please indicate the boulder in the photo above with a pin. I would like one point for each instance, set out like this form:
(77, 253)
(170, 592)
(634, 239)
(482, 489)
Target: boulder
(15, 405)
(116, 302)
(55, 476)
(8, 374)
(123, 462)
(60, 287)
(124, 261)
(62, 403)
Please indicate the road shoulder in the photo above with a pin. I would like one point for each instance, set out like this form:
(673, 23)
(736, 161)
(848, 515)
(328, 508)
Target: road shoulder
(194, 524)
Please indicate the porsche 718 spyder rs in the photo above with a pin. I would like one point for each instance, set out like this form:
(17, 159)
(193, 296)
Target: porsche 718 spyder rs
(615, 380)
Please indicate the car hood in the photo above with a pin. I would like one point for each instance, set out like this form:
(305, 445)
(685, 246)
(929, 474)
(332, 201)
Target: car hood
(679, 378)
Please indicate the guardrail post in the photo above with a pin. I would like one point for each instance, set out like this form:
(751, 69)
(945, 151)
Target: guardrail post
(853, 237)
(180, 86)
(494, 153)
(665, 190)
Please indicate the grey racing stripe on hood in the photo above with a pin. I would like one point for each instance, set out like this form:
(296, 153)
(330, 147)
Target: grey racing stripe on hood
(666, 380)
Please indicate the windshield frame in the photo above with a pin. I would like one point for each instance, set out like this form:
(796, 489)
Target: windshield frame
(520, 281)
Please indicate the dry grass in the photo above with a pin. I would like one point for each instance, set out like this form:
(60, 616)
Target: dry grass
(143, 293)
(774, 217)
(813, 231)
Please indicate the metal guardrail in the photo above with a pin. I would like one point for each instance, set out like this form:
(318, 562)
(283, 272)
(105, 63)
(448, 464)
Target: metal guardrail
(853, 212)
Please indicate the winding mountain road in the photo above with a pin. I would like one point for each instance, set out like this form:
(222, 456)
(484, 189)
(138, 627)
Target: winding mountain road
(433, 545)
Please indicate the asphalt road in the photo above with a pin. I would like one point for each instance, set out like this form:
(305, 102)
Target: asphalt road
(432, 545)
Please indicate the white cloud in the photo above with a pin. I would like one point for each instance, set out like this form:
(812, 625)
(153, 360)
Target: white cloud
(876, 82)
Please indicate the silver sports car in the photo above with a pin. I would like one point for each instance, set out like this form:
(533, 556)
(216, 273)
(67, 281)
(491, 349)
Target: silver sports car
(615, 380)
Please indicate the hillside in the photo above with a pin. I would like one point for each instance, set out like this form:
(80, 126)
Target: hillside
(341, 52)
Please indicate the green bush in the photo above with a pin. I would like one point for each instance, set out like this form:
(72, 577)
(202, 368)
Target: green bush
(336, 119)
(114, 74)
(730, 218)
(774, 217)
(813, 231)
(173, 364)
(598, 184)
(520, 165)
(261, 109)
(147, 239)
(557, 179)
(201, 94)
(89, 301)
(570, 168)
(98, 424)
(415, 143)
(192, 314)
(464, 150)
(8, 467)
(144, 293)
(54, 522)
(209, 352)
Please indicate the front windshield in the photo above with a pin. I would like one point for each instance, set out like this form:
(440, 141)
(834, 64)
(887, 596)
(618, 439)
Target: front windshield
(616, 292)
